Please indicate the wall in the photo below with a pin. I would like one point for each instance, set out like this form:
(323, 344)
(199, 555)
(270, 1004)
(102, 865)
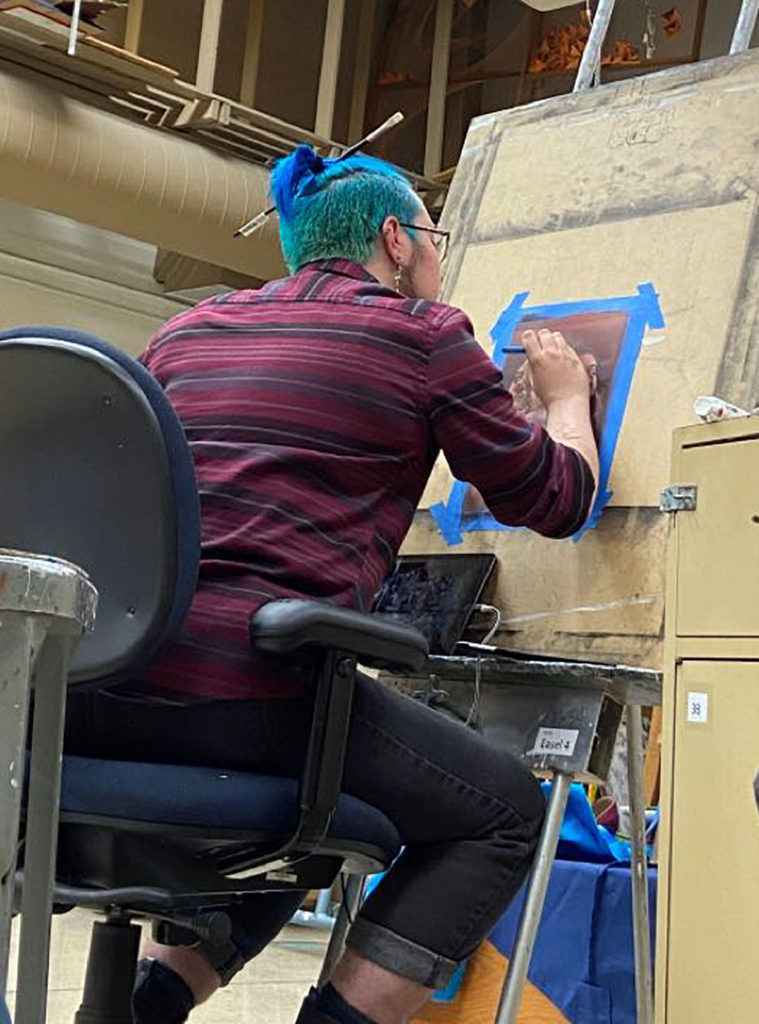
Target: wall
(58, 272)
(288, 76)
(721, 18)
(171, 32)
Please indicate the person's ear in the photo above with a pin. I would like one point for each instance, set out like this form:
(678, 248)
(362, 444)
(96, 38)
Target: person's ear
(392, 239)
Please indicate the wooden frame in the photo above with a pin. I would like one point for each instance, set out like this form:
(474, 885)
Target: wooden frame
(441, 52)
(249, 80)
(133, 25)
(208, 48)
(333, 38)
(362, 69)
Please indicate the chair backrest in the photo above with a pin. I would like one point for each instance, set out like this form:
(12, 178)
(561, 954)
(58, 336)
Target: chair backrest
(95, 468)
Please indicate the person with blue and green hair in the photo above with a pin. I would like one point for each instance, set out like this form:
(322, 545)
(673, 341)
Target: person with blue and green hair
(315, 408)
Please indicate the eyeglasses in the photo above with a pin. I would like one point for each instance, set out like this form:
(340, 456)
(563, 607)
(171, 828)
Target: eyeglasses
(440, 238)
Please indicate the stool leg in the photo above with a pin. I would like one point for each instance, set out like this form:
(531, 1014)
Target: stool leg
(20, 635)
(640, 909)
(511, 996)
(50, 675)
(347, 913)
(109, 980)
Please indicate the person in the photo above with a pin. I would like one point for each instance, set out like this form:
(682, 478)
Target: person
(315, 408)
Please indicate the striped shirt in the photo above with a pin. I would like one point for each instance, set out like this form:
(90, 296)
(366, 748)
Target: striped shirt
(315, 409)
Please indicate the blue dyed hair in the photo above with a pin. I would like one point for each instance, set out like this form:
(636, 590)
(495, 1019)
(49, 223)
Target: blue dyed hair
(335, 208)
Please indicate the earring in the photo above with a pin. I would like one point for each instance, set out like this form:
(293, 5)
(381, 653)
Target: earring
(398, 273)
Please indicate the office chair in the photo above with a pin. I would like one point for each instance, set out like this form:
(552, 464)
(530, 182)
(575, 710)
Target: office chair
(95, 468)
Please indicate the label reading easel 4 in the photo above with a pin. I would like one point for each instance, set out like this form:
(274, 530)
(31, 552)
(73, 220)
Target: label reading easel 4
(555, 742)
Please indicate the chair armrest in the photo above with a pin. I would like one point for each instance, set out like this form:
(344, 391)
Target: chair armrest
(281, 627)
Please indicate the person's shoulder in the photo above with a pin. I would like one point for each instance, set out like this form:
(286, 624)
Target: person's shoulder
(433, 315)
(442, 316)
(179, 327)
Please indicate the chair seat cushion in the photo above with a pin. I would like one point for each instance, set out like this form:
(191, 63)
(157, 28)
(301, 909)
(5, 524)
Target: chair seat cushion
(208, 798)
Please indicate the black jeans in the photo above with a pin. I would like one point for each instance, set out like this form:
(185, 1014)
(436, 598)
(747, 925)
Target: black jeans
(468, 813)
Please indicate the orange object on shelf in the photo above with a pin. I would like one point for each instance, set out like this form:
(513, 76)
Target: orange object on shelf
(561, 49)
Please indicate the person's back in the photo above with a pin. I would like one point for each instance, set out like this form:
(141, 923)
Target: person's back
(310, 408)
(315, 409)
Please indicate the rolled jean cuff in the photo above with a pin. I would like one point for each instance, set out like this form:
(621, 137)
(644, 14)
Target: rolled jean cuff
(399, 955)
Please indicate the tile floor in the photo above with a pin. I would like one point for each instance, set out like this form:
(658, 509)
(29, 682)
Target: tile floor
(268, 991)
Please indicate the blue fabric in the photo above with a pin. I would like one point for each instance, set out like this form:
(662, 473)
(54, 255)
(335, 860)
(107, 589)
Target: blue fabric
(208, 798)
(5, 1017)
(582, 838)
(583, 960)
(182, 474)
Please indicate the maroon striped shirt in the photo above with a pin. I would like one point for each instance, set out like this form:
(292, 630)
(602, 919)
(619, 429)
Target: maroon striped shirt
(315, 409)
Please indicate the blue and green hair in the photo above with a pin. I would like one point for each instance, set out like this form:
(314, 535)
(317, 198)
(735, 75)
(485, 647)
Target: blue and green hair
(333, 208)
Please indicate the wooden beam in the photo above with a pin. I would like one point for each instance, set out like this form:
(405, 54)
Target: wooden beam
(362, 69)
(441, 53)
(209, 45)
(133, 25)
(252, 56)
(333, 39)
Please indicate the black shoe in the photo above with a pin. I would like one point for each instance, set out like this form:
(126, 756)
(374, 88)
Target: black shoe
(160, 996)
(310, 1013)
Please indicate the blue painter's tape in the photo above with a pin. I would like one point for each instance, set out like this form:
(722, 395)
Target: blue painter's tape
(449, 516)
(642, 310)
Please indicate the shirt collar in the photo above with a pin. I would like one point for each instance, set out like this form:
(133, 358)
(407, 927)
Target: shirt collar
(347, 268)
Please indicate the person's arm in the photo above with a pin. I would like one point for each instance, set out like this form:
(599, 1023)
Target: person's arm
(525, 476)
(562, 383)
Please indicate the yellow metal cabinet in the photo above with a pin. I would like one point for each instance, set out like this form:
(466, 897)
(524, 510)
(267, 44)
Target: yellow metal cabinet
(708, 924)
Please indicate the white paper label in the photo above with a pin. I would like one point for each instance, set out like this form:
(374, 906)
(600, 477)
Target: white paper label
(698, 708)
(556, 742)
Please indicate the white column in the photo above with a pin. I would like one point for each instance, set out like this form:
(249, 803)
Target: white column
(209, 45)
(333, 39)
(133, 25)
(441, 52)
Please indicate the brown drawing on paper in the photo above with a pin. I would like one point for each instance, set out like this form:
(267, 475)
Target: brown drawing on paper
(597, 338)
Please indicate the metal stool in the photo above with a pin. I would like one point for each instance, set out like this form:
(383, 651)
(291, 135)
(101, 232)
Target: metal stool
(45, 606)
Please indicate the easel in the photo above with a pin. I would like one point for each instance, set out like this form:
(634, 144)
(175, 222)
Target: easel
(561, 719)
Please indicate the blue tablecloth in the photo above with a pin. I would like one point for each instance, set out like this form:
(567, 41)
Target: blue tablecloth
(583, 959)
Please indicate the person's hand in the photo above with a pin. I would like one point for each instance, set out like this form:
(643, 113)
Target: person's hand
(558, 373)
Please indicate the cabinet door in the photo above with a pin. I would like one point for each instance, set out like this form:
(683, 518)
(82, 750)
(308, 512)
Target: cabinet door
(718, 544)
(713, 949)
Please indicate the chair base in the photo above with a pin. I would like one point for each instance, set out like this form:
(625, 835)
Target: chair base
(111, 967)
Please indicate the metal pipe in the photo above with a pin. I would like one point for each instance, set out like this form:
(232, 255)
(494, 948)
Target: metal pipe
(639, 867)
(354, 889)
(744, 30)
(74, 27)
(591, 57)
(320, 917)
(160, 187)
(50, 676)
(511, 997)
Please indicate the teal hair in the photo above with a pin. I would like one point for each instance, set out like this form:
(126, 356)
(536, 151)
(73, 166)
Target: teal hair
(335, 208)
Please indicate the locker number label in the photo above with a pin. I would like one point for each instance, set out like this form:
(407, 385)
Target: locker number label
(698, 708)
(555, 742)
